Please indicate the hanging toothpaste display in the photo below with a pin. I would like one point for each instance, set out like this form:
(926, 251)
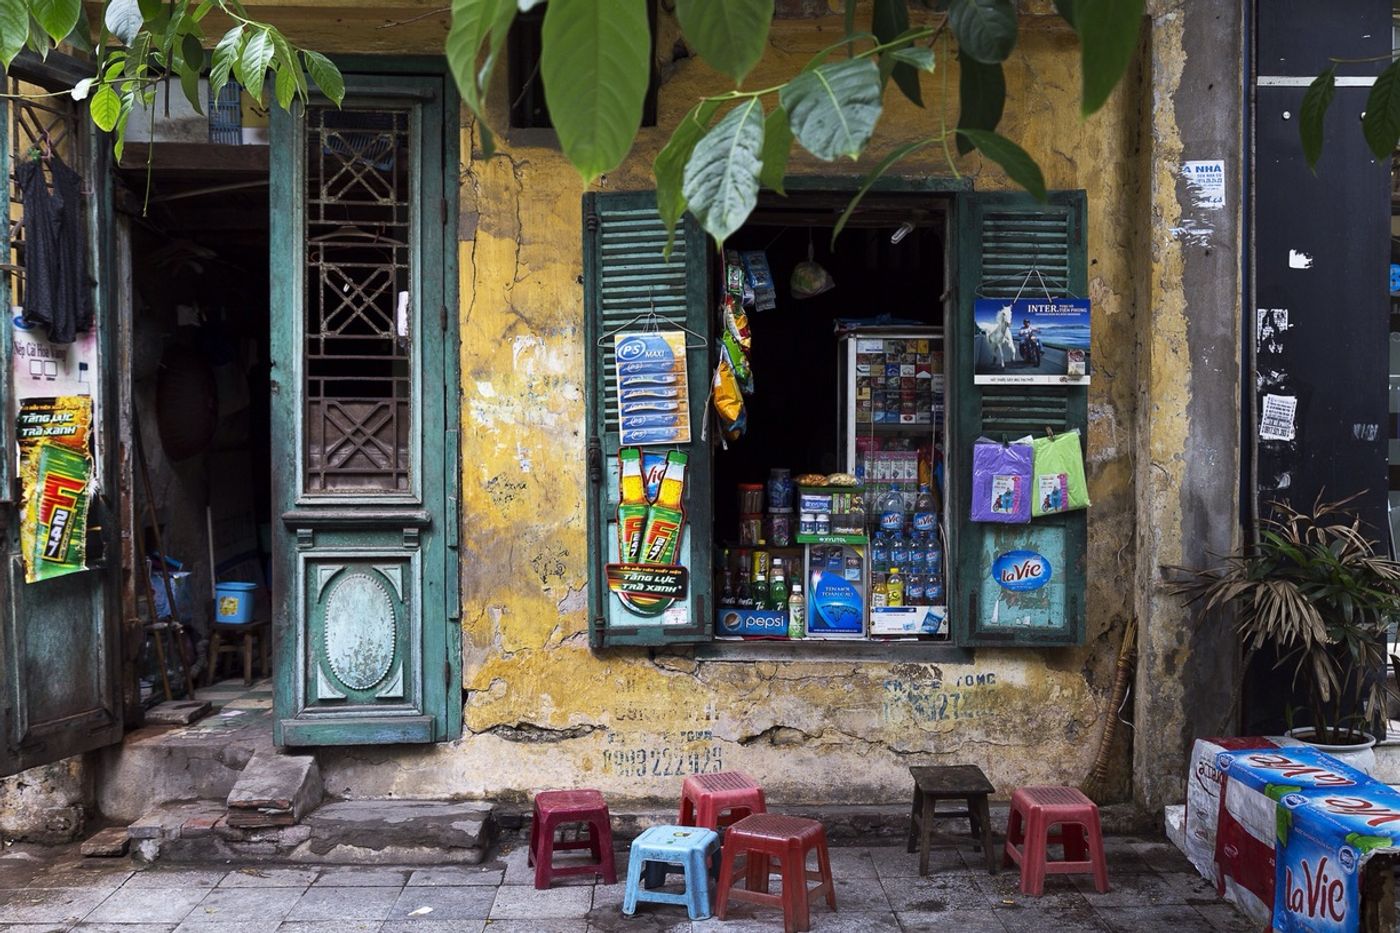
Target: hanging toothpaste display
(653, 403)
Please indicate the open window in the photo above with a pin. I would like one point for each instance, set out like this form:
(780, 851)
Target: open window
(850, 479)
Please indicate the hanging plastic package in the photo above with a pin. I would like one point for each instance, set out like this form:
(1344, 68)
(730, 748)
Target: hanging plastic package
(759, 279)
(809, 278)
(728, 400)
(736, 322)
(1001, 481)
(1058, 483)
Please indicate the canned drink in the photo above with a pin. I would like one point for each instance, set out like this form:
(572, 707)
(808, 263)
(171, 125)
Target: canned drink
(762, 564)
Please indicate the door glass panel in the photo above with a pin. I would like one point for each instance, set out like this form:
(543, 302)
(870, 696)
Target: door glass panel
(358, 328)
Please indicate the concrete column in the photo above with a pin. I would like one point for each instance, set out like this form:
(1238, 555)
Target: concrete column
(1188, 437)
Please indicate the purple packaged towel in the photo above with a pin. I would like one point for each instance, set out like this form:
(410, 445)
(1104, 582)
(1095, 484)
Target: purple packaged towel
(1001, 482)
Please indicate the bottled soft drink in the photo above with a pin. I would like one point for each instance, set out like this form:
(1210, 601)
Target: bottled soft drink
(728, 598)
(925, 516)
(894, 588)
(891, 509)
(797, 611)
(778, 587)
(880, 548)
(878, 592)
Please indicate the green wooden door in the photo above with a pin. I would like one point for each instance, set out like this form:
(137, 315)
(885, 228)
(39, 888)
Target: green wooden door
(1004, 241)
(364, 418)
(60, 658)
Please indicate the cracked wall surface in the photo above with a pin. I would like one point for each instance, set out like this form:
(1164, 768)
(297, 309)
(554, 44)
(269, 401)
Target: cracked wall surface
(543, 710)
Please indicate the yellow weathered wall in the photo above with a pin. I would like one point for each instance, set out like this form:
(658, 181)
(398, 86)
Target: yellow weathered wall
(541, 709)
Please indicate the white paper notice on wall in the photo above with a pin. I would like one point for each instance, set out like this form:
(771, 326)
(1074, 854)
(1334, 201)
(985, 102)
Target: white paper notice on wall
(1206, 179)
(1276, 421)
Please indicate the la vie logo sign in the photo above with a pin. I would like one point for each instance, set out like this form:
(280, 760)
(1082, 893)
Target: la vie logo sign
(1021, 571)
(1318, 893)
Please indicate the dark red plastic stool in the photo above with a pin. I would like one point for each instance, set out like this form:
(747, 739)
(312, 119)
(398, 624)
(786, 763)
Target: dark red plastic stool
(556, 808)
(717, 800)
(786, 840)
(1034, 810)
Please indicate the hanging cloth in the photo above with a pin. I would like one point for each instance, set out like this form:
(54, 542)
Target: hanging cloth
(56, 292)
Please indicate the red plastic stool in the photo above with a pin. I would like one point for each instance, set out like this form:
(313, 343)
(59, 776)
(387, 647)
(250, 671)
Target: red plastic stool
(555, 808)
(786, 840)
(717, 800)
(1034, 810)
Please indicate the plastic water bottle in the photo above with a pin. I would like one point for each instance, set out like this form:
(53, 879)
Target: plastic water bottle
(918, 552)
(933, 557)
(899, 552)
(914, 590)
(891, 509)
(925, 518)
(880, 548)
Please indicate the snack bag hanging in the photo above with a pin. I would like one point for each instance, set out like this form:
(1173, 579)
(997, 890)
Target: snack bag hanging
(1001, 482)
(1058, 483)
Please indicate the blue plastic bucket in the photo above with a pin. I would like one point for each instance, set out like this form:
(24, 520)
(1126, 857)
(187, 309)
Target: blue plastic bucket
(233, 602)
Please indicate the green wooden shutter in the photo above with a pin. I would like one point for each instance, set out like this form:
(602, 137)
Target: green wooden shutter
(624, 276)
(1001, 238)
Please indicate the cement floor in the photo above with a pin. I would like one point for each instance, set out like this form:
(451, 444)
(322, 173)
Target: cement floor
(1153, 889)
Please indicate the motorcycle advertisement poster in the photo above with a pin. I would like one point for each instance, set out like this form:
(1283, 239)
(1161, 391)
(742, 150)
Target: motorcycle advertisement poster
(1031, 341)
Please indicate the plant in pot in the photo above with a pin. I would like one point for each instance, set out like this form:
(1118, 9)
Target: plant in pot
(1314, 590)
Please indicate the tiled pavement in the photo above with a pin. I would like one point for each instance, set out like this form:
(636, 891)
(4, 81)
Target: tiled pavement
(878, 889)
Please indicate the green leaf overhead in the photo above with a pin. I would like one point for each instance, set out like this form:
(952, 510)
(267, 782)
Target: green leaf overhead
(106, 107)
(1014, 160)
(985, 29)
(669, 165)
(253, 60)
(14, 29)
(1312, 113)
(472, 24)
(1109, 33)
(888, 20)
(729, 34)
(56, 17)
(326, 75)
(834, 108)
(123, 19)
(777, 147)
(596, 65)
(1381, 122)
(884, 166)
(721, 177)
(915, 55)
(225, 53)
(981, 98)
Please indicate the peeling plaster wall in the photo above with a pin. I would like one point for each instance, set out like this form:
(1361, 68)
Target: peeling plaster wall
(541, 709)
(48, 804)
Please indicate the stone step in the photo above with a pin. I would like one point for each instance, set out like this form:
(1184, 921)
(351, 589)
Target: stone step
(349, 832)
(274, 790)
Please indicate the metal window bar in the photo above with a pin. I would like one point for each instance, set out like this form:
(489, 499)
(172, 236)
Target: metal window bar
(356, 349)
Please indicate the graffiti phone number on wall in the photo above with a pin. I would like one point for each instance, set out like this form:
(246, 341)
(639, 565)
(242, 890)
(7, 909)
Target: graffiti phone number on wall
(662, 762)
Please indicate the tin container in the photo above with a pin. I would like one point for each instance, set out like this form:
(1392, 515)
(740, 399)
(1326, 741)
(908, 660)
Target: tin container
(750, 529)
(779, 490)
(750, 498)
(779, 529)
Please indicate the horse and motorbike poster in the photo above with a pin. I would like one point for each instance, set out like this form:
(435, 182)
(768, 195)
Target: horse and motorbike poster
(1031, 341)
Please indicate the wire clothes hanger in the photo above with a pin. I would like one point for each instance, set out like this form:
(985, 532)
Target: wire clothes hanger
(1034, 270)
(652, 323)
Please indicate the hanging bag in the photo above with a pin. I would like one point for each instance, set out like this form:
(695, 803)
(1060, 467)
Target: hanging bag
(1059, 484)
(1001, 481)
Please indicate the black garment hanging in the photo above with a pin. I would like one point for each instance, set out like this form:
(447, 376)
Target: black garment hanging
(56, 292)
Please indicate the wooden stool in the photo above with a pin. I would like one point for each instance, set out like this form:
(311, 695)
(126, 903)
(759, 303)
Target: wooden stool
(950, 782)
(1034, 810)
(249, 632)
(763, 839)
(717, 800)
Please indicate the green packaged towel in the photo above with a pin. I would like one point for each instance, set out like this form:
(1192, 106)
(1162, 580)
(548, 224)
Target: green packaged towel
(1058, 483)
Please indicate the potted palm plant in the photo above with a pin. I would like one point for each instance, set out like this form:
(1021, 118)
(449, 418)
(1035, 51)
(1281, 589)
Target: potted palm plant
(1314, 589)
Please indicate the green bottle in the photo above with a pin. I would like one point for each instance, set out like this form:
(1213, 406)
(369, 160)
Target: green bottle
(778, 588)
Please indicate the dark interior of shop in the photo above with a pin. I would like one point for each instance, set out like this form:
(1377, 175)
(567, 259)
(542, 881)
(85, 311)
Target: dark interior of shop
(793, 413)
(200, 337)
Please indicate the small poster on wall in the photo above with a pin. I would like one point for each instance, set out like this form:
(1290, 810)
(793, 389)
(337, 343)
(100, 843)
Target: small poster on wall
(653, 405)
(42, 369)
(1031, 341)
(54, 435)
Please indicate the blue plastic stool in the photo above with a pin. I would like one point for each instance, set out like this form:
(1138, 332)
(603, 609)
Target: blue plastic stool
(664, 849)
